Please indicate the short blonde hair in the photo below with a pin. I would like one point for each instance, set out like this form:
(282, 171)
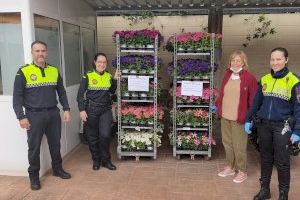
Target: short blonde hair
(240, 54)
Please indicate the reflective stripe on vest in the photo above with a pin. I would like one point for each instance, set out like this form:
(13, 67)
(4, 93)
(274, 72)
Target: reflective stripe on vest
(99, 82)
(34, 77)
(281, 87)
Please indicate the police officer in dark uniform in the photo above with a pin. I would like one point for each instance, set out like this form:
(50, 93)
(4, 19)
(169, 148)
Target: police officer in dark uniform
(277, 102)
(94, 103)
(35, 89)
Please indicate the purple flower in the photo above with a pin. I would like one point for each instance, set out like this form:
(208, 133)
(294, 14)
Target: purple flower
(187, 66)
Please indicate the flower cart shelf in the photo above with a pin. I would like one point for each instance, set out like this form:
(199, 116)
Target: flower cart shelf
(137, 51)
(204, 81)
(126, 75)
(192, 65)
(137, 127)
(191, 106)
(193, 53)
(138, 100)
(135, 59)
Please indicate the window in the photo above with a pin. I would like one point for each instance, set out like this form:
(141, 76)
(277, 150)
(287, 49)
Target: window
(71, 38)
(47, 30)
(11, 50)
(89, 48)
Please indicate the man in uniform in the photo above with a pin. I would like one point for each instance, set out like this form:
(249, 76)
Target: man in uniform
(35, 89)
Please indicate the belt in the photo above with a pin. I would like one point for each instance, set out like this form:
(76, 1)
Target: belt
(40, 109)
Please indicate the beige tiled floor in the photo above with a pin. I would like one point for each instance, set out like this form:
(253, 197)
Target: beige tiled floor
(161, 179)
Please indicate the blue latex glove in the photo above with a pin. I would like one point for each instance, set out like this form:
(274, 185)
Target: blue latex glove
(295, 137)
(213, 109)
(248, 127)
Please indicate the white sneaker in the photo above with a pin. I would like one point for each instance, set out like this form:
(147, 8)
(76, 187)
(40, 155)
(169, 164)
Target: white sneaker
(227, 171)
(240, 177)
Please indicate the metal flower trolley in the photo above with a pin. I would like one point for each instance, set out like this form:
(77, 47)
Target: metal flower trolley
(145, 128)
(192, 116)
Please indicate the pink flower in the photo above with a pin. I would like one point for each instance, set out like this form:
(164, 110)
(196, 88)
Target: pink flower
(196, 142)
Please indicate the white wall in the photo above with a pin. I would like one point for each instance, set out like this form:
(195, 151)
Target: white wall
(13, 143)
(287, 26)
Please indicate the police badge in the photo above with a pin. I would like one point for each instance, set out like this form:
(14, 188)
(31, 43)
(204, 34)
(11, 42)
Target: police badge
(94, 81)
(33, 77)
(264, 87)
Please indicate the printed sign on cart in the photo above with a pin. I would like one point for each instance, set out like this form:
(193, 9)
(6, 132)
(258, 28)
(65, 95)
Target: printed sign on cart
(138, 83)
(192, 88)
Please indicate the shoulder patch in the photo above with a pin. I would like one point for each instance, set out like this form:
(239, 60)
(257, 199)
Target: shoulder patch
(298, 92)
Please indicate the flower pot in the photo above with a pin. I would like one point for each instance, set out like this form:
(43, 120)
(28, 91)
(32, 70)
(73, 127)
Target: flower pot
(197, 124)
(150, 123)
(143, 95)
(134, 96)
(123, 46)
(132, 71)
(124, 122)
(188, 124)
(150, 46)
(131, 46)
(149, 148)
(180, 49)
(139, 46)
(125, 71)
(179, 124)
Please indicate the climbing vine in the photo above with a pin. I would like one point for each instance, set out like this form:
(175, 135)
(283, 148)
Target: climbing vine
(262, 28)
(140, 17)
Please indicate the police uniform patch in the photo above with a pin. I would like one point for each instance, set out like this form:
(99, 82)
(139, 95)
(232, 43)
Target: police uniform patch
(94, 81)
(298, 93)
(264, 87)
(33, 77)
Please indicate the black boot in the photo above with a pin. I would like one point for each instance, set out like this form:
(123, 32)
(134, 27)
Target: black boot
(96, 165)
(283, 195)
(61, 173)
(109, 165)
(35, 183)
(264, 192)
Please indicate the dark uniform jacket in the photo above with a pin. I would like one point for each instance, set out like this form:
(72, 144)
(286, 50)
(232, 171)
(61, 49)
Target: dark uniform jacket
(278, 99)
(36, 88)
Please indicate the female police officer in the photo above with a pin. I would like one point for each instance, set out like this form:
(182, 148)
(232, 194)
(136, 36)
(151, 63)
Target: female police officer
(95, 109)
(277, 100)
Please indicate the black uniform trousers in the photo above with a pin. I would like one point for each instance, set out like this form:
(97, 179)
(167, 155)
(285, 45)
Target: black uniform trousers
(274, 149)
(48, 122)
(99, 124)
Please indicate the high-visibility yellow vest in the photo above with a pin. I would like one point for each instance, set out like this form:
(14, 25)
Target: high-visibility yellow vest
(34, 77)
(280, 87)
(99, 82)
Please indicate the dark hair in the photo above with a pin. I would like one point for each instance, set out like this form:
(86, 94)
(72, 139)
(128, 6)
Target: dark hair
(283, 50)
(99, 54)
(38, 42)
